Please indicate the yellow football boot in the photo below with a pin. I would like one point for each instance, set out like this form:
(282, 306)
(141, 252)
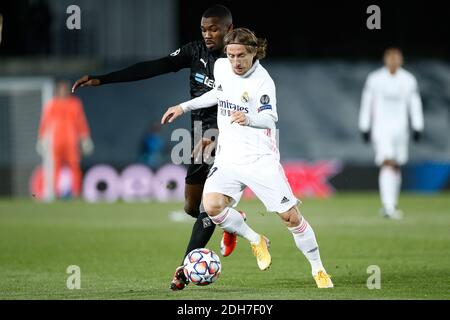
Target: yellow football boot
(261, 252)
(323, 280)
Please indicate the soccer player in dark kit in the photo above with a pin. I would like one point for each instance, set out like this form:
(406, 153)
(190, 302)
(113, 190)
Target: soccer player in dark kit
(200, 57)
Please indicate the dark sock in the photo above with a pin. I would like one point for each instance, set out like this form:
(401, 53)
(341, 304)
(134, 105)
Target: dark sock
(201, 233)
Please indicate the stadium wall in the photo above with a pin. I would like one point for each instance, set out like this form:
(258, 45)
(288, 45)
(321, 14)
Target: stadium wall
(318, 105)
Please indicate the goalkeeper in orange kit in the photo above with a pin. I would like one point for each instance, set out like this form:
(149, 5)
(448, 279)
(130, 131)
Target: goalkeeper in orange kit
(62, 130)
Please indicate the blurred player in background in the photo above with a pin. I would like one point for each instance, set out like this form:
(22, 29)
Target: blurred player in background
(200, 57)
(390, 102)
(152, 147)
(62, 129)
(247, 152)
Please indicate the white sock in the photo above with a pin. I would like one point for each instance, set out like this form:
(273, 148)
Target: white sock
(388, 183)
(231, 221)
(305, 239)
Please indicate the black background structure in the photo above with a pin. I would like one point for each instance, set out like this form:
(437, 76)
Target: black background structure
(295, 29)
(334, 29)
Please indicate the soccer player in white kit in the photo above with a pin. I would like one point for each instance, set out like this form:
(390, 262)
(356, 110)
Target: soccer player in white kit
(247, 154)
(390, 102)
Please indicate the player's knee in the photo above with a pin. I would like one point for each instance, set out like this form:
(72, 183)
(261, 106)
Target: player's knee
(214, 203)
(291, 217)
(213, 208)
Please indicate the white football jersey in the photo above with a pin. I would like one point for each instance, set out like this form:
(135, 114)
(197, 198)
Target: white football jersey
(388, 101)
(252, 93)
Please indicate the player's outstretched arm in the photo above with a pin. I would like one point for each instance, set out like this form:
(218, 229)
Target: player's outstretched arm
(206, 100)
(171, 114)
(142, 70)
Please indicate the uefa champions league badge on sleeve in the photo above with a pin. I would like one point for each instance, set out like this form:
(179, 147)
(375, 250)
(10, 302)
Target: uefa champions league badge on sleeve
(264, 99)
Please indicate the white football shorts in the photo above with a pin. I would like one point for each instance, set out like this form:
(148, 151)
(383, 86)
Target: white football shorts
(391, 147)
(265, 177)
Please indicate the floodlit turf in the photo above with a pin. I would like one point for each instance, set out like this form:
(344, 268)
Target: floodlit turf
(129, 251)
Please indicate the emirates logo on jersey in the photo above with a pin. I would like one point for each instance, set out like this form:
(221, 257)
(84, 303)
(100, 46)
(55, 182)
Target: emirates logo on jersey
(227, 105)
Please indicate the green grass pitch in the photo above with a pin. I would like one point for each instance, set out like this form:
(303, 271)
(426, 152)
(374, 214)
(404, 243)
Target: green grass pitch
(129, 251)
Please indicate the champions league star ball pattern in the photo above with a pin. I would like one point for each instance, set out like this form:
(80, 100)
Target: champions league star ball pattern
(202, 266)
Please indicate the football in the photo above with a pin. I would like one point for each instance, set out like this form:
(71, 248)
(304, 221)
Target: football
(202, 266)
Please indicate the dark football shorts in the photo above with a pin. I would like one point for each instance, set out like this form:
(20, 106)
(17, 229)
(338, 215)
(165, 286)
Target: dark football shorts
(197, 173)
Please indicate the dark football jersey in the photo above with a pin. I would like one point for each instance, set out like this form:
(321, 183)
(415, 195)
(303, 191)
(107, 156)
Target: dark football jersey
(200, 60)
